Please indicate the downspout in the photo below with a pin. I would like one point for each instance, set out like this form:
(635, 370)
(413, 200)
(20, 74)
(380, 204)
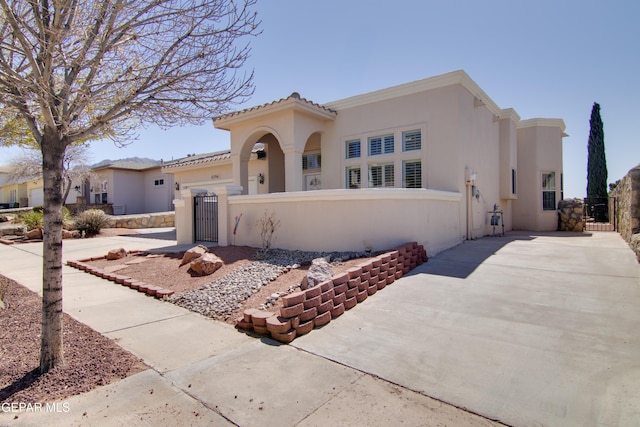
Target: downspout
(470, 178)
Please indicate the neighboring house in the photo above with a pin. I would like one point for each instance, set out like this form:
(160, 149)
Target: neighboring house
(209, 170)
(132, 186)
(457, 155)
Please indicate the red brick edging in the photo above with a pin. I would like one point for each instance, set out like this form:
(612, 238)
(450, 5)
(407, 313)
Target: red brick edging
(314, 307)
(149, 289)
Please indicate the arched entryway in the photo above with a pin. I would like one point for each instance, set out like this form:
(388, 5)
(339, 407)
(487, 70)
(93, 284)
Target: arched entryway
(261, 164)
(312, 163)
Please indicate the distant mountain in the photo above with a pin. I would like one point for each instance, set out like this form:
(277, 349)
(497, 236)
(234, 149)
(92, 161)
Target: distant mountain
(128, 160)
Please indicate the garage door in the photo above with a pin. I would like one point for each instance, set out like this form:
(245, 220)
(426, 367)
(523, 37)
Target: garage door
(36, 198)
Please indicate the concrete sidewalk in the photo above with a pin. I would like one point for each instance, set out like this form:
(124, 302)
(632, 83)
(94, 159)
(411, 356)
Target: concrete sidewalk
(526, 329)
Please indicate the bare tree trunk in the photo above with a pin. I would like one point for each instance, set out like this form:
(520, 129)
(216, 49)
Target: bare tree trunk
(51, 350)
(66, 188)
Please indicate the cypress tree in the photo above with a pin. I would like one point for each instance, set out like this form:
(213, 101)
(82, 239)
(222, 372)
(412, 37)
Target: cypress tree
(596, 162)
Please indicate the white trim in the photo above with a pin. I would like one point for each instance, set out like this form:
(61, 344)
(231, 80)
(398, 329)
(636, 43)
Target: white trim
(350, 194)
(458, 77)
(276, 106)
(554, 123)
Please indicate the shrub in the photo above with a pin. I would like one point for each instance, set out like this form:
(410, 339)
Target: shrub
(32, 219)
(90, 222)
(268, 225)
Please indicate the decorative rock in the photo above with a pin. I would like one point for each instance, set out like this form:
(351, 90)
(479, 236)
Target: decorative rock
(207, 264)
(319, 271)
(34, 234)
(114, 254)
(571, 214)
(193, 253)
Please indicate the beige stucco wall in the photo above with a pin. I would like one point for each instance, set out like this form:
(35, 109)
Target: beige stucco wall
(539, 150)
(134, 192)
(356, 220)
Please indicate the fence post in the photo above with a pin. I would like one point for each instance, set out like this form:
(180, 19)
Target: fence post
(225, 223)
(184, 216)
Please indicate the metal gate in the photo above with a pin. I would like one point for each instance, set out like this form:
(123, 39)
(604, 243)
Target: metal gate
(600, 214)
(205, 217)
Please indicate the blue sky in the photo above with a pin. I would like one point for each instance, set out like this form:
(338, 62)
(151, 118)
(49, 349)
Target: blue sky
(543, 58)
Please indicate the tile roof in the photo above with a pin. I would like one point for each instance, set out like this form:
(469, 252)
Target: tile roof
(203, 158)
(129, 165)
(198, 159)
(294, 95)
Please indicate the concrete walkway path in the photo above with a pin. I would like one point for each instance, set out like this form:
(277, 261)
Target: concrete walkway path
(525, 329)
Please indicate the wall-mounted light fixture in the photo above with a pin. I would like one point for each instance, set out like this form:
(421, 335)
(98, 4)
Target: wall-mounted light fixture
(177, 186)
(77, 188)
(261, 178)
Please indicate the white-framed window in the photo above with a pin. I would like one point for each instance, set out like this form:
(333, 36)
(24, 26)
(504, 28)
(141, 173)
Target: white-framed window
(13, 196)
(311, 161)
(549, 191)
(412, 173)
(353, 177)
(381, 145)
(412, 140)
(381, 175)
(158, 182)
(352, 149)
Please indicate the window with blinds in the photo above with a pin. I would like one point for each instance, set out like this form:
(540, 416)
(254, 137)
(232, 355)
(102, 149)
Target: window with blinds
(381, 175)
(311, 161)
(381, 145)
(412, 173)
(412, 140)
(353, 177)
(352, 149)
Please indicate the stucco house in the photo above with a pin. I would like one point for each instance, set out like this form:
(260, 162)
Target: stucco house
(132, 187)
(434, 161)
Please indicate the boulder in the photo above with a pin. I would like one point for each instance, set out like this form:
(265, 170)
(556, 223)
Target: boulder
(34, 234)
(66, 234)
(319, 271)
(114, 254)
(207, 264)
(193, 253)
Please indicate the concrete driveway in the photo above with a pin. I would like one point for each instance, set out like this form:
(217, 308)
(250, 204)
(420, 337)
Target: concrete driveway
(525, 329)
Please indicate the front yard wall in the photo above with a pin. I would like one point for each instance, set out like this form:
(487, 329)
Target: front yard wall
(344, 220)
(627, 194)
